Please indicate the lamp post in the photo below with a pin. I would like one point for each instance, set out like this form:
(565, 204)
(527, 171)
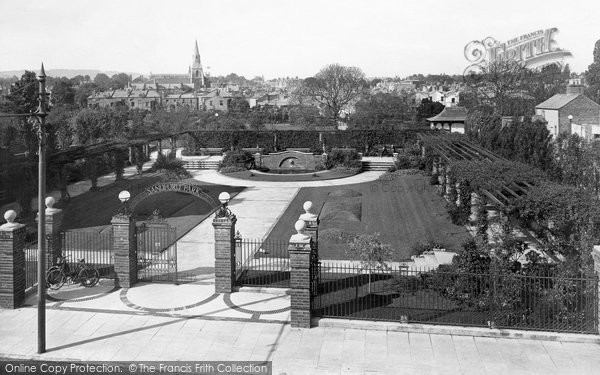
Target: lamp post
(217, 119)
(40, 116)
(570, 117)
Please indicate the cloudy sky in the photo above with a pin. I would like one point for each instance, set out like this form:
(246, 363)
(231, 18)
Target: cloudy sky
(279, 37)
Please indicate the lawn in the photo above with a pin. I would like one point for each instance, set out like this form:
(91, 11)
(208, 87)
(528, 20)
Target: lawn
(318, 176)
(93, 210)
(404, 211)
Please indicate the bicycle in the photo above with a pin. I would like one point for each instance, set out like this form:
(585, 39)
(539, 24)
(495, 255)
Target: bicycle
(85, 274)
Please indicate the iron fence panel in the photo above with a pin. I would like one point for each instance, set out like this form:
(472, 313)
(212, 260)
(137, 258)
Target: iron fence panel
(262, 263)
(546, 302)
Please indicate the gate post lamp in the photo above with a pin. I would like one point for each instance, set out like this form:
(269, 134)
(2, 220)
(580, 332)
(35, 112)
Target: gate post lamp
(223, 211)
(124, 207)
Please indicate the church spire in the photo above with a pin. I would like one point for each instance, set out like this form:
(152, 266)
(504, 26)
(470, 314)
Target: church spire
(196, 52)
(196, 71)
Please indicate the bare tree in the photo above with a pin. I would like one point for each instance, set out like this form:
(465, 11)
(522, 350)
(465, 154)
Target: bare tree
(334, 88)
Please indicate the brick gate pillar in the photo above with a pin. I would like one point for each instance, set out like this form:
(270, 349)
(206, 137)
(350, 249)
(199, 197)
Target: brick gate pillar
(125, 248)
(301, 251)
(596, 258)
(12, 262)
(54, 217)
(225, 244)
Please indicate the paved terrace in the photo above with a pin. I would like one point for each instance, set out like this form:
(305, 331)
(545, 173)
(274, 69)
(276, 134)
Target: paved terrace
(189, 322)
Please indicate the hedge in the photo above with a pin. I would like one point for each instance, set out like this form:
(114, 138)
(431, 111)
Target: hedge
(363, 140)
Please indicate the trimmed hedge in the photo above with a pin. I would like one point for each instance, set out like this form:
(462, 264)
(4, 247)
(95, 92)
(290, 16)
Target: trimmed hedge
(363, 140)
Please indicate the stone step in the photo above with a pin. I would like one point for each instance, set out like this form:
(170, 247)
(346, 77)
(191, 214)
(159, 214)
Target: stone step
(200, 164)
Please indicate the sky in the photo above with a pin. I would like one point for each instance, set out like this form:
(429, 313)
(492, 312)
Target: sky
(279, 38)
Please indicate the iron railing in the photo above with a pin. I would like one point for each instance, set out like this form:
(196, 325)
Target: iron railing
(93, 246)
(31, 256)
(262, 263)
(548, 302)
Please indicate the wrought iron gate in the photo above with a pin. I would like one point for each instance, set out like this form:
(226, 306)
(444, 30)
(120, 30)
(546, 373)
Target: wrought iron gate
(157, 252)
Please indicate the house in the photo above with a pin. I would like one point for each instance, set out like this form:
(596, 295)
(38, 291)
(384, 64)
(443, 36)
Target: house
(216, 100)
(562, 111)
(451, 119)
(190, 100)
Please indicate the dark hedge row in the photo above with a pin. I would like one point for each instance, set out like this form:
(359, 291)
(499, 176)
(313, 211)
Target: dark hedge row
(363, 140)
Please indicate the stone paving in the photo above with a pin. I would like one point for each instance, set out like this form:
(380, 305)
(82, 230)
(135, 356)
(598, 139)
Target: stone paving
(190, 322)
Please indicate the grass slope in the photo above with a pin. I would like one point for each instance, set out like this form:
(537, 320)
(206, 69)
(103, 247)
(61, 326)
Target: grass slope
(405, 211)
(94, 209)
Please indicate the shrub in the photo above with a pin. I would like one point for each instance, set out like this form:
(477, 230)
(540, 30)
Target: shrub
(410, 160)
(238, 158)
(348, 170)
(320, 166)
(172, 168)
(345, 158)
(232, 169)
(457, 215)
(423, 246)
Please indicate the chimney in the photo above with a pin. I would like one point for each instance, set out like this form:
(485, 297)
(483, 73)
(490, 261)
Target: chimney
(575, 89)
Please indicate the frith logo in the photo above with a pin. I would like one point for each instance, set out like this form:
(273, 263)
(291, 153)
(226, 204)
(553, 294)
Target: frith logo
(534, 49)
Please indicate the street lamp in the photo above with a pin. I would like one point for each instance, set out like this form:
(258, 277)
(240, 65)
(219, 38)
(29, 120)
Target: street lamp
(217, 118)
(570, 117)
(39, 120)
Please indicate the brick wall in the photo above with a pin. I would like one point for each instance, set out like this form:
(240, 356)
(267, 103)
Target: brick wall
(583, 110)
(12, 267)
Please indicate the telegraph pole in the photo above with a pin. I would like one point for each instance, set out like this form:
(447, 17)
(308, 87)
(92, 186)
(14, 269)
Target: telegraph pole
(40, 115)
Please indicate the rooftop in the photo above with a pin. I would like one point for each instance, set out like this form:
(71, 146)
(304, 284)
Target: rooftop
(450, 114)
(557, 101)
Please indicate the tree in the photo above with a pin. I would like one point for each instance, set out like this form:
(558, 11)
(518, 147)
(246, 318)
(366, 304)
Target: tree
(119, 81)
(239, 106)
(381, 109)
(102, 81)
(334, 88)
(372, 254)
(83, 92)
(427, 109)
(23, 98)
(58, 122)
(592, 76)
(63, 93)
(499, 88)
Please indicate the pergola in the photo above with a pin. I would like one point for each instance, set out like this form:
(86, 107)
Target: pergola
(450, 149)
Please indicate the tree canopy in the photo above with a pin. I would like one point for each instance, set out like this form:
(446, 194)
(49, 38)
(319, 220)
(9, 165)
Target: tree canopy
(333, 88)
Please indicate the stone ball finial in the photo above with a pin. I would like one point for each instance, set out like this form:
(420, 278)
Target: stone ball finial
(308, 215)
(10, 216)
(300, 226)
(50, 202)
(300, 237)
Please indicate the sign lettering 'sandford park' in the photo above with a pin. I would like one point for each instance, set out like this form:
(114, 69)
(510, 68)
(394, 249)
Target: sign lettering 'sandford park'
(534, 49)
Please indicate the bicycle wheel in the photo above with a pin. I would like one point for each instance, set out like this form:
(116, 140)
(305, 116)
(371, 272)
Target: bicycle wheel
(55, 278)
(89, 277)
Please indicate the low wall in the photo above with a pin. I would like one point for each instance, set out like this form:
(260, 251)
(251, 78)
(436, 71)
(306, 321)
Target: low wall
(290, 160)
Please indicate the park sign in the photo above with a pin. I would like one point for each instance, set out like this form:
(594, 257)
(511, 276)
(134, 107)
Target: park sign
(532, 50)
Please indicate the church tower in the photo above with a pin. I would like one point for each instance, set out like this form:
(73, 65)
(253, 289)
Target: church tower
(196, 72)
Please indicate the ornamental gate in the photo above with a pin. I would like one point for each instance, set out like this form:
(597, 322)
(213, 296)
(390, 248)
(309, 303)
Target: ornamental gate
(157, 251)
